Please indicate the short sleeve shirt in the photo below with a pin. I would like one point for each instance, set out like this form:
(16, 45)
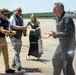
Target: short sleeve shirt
(13, 22)
(33, 26)
(4, 24)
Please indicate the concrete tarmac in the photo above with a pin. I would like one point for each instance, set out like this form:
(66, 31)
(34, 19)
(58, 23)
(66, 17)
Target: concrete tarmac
(34, 66)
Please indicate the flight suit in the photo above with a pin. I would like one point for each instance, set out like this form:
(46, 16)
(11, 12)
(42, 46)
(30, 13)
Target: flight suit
(64, 54)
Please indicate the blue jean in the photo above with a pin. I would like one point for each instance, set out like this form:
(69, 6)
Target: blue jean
(17, 43)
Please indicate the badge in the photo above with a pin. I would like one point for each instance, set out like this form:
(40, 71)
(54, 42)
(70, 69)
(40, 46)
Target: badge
(66, 20)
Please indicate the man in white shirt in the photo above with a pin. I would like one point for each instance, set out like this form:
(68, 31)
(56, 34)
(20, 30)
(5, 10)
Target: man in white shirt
(17, 24)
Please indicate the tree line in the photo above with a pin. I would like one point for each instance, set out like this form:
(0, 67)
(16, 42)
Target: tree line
(39, 15)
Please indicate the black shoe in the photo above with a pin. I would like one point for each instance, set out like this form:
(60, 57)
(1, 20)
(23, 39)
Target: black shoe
(10, 71)
(20, 70)
(13, 66)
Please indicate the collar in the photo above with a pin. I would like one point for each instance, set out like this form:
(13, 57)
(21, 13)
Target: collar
(61, 16)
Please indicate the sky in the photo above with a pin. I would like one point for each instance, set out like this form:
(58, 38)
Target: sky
(36, 6)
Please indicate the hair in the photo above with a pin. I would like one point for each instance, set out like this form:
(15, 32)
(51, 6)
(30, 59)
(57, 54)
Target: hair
(33, 15)
(59, 4)
(16, 8)
(3, 10)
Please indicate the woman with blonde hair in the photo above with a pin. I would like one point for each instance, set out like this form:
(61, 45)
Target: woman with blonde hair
(34, 35)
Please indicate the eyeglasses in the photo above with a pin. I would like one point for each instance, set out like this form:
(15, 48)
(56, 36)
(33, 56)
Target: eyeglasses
(5, 14)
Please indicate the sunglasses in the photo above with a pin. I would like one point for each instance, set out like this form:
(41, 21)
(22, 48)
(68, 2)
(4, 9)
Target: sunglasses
(5, 14)
(19, 10)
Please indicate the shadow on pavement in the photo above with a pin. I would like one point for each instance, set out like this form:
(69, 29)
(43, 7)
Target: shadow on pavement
(32, 70)
(40, 60)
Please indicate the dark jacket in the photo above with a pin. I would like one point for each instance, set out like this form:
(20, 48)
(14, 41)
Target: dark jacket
(66, 32)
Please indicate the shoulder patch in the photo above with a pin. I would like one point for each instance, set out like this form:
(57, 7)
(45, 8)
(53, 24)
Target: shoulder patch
(66, 20)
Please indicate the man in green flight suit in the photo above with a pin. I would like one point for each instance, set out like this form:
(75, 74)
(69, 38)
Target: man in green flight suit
(64, 54)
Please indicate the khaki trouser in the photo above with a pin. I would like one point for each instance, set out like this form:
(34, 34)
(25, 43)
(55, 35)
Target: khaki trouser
(4, 50)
